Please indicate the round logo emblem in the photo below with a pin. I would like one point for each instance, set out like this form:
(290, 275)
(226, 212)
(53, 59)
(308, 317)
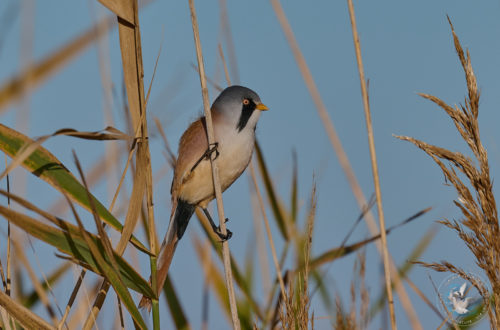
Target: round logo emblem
(460, 300)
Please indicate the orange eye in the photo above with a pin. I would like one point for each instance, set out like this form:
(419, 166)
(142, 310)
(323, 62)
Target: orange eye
(246, 102)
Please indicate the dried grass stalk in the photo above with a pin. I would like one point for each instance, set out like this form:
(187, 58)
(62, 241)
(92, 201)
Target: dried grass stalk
(478, 227)
(294, 312)
(215, 171)
(373, 158)
(353, 319)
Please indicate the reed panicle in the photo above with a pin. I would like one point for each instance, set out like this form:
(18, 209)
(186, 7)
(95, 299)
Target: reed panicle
(470, 176)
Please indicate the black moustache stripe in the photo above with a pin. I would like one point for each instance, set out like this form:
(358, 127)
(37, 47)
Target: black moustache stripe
(246, 113)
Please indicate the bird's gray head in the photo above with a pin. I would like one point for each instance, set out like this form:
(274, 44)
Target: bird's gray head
(237, 105)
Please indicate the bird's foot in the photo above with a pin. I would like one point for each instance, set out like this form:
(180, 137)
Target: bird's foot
(212, 147)
(223, 237)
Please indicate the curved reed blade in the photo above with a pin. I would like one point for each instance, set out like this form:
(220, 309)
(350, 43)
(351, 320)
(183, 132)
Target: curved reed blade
(70, 242)
(276, 206)
(217, 281)
(342, 251)
(34, 75)
(24, 316)
(405, 269)
(174, 306)
(30, 299)
(105, 259)
(237, 274)
(47, 167)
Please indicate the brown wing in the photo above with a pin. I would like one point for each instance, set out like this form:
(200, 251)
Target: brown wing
(192, 145)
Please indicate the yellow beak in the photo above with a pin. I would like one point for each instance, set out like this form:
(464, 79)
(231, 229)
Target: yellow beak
(261, 107)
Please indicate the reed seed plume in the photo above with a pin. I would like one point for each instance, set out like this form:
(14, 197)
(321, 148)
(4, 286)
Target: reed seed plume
(478, 228)
(295, 309)
(354, 318)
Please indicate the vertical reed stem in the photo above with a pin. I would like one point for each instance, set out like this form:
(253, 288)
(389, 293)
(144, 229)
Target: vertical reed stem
(215, 170)
(373, 158)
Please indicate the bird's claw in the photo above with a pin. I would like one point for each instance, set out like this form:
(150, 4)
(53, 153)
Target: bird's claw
(212, 147)
(224, 237)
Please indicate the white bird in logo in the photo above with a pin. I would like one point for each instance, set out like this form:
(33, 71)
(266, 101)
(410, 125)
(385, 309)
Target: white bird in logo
(459, 301)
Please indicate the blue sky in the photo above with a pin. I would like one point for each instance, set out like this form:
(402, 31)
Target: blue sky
(407, 48)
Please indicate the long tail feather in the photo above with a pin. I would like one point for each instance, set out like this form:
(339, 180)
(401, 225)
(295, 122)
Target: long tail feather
(176, 228)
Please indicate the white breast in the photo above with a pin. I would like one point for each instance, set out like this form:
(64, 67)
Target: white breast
(235, 151)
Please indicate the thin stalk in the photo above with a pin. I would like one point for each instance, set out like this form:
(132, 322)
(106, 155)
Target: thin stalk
(341, 155)
(261, 249)
(373, 158)
(6, 318)
(226, 71)
(9, 241)
(262, 256)
(153, 244)
(72, 298)
(154, 302)
(36, 284)
(269, 235)
(120, 312)
(215, 170)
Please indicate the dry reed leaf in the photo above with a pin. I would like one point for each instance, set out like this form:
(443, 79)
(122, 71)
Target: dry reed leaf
(405, 268)
(34, 75)
(214, 276)
(34, 280)
(24, 316)
(106, 242)
(122, 8)
(342, 251)
(174, 306)
(295, 311)
(31, 298)
(109, 133)
(130, 45)
(238, 277)
(71, 242)
(277, 207)
(171, 158)
(109, 270)
(94, 175)
(5, 319)
(43, 164)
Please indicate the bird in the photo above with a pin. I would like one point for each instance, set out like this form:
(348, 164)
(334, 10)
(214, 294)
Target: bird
(459, 300)
(235, 113)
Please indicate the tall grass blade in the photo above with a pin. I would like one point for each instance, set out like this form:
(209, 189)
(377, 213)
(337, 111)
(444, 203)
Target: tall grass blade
(70, 241)
(276, 205)
(238, 277)
(47, 167)
(174, 305)
(24, 316)
(216, 279)
(406, 267)
(35, 74)
(342, 251)
(294, 198)
(30, 299)
(107, 263)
